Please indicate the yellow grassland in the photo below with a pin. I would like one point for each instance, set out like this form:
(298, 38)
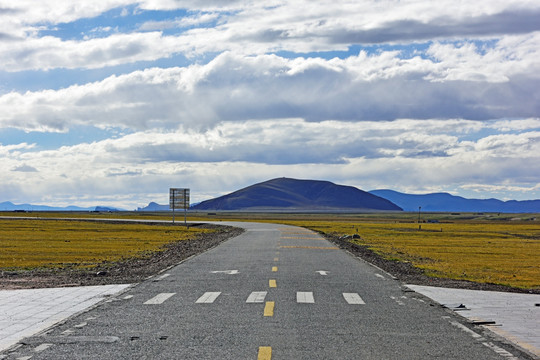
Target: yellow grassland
(486, 248)
(27, 244)
(487, 252)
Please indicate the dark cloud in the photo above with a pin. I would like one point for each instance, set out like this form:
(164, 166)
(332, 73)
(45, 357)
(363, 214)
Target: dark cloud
(507, 22)
(25, 168)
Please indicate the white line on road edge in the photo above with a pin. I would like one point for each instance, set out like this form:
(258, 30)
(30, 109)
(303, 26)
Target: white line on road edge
(480, 338)
(208, 298)
(161, 277)
(304, 297)
(399, 302)
(159, 299)
(499, 350)
(42, 347)
(353, 299)
(322, 272)
(468, 331)
(256, 297)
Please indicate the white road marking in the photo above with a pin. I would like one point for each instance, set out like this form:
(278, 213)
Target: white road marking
(228, 272)
(353, 299)
(468, 331)
(323, 272)
(397, 300)
(81, 325)
(208, 298)
(127, 297)
(499, 350)
(304, 297)
(256, 297)
(379, 275)
(42, 347)
(159, 299)
(161, 277)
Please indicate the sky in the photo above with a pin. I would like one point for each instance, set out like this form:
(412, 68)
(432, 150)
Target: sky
(113, 102)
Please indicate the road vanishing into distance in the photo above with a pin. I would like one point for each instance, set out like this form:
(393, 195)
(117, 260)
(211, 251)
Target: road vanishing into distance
(274, 292)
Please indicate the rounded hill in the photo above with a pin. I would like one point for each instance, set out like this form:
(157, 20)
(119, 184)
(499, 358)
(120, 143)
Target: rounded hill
(294, 194)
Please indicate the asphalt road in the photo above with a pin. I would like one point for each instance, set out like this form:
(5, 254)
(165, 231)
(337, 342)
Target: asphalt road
(275, 292)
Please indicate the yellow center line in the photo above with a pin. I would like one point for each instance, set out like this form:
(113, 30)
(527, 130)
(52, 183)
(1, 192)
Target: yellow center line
(274, 268)
(276, 259)
(269, 308)
(265, 353)
(272, 283)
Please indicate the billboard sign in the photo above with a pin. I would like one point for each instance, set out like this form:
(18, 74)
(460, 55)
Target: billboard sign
(179, 198)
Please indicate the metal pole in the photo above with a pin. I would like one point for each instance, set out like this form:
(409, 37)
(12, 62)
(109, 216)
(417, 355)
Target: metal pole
(419, 226)
(173, 213)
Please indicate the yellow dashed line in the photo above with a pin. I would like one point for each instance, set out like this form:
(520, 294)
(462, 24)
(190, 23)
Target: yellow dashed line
(269, 308)
(311, 247)
(272, 283)
(265, 353)
(276, 259)
(274, 268)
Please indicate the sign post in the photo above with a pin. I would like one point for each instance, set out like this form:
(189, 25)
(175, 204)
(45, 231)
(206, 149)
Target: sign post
(179, 199)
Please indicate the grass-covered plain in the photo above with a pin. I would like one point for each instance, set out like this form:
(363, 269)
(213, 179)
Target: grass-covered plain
(505, 254)
(30, 244)
(487, 248)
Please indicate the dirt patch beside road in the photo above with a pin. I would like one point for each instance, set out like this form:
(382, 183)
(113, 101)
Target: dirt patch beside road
(123, 272)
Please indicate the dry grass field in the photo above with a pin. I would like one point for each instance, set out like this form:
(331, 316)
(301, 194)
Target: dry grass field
(29, 244)
(492, 248)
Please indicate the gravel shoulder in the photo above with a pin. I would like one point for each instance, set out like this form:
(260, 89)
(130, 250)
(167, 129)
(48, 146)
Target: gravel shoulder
(124, 272)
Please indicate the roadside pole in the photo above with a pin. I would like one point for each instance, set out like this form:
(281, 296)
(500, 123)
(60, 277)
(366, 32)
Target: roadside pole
(179, 199)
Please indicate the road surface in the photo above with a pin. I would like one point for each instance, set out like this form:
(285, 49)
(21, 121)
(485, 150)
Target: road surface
(274, 292)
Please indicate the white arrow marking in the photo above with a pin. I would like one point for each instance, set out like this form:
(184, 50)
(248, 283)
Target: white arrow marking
(228, 272)
(323, 272)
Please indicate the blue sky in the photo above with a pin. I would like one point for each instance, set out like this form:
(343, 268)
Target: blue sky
(113, 102)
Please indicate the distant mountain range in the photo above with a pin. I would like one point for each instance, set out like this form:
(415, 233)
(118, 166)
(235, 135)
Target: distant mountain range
(293, 194)
(154, 207)
(444, 202)
(9, 206)
(313, 195)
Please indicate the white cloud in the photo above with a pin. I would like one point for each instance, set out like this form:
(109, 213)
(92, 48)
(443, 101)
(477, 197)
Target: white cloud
(258, 28)
(234, 87)
(368, 155)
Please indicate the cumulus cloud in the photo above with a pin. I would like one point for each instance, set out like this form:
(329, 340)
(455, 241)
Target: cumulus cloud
(422, 154)
(251, 28)
(234, 87)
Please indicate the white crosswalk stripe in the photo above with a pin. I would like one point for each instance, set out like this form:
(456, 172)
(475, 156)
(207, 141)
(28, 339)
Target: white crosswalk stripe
(304, 297)
(353, 299)
(159, 299)
(256, 297)
(208, 298)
